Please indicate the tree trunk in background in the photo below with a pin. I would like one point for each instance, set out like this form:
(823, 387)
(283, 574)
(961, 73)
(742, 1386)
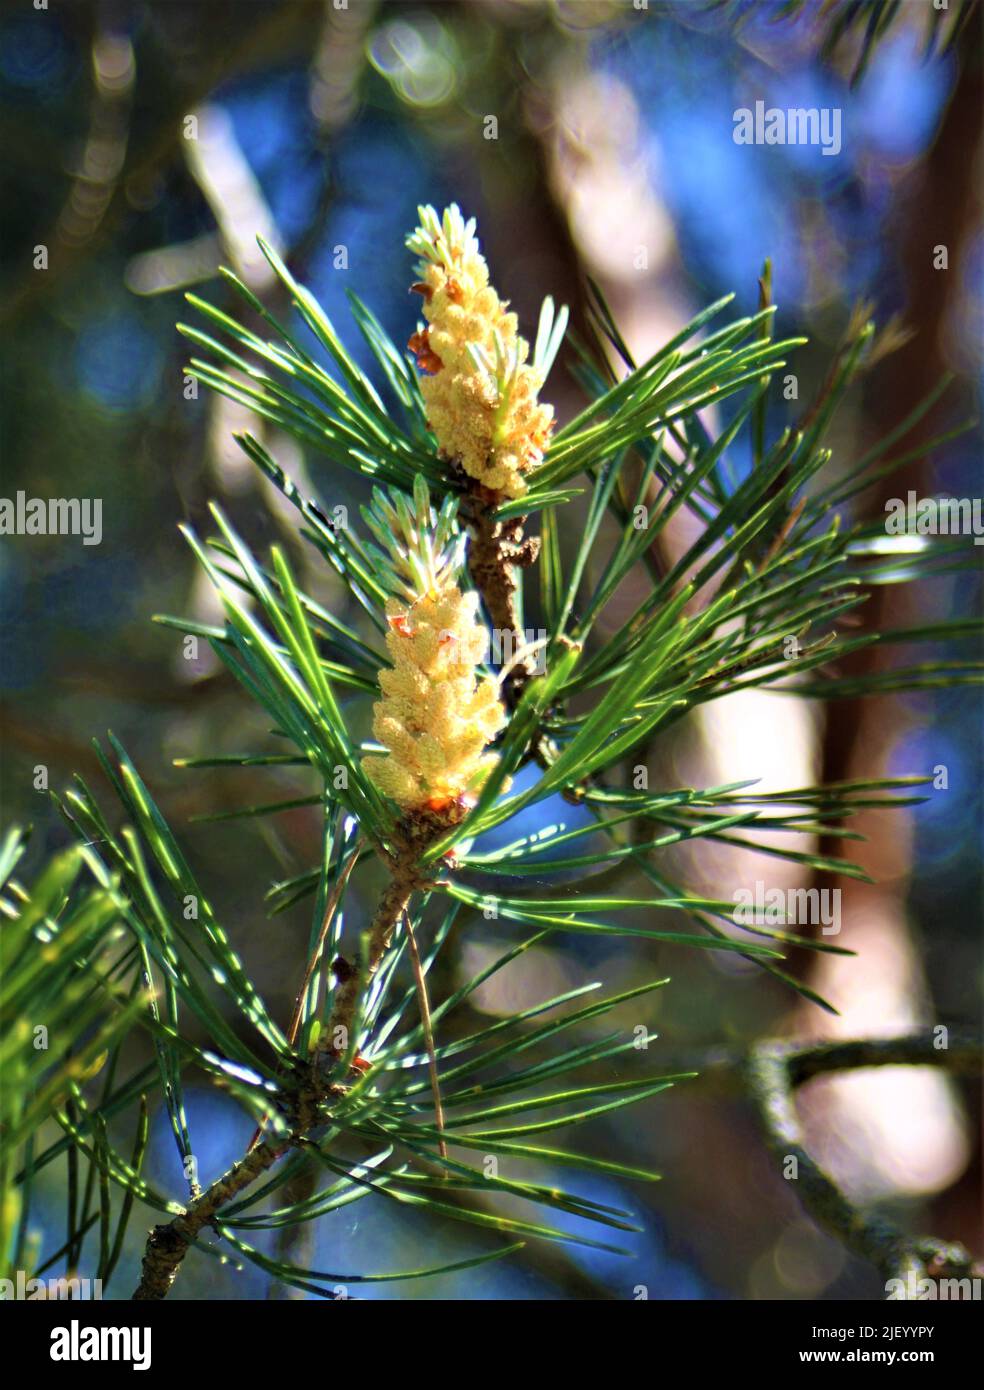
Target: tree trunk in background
(878, 991)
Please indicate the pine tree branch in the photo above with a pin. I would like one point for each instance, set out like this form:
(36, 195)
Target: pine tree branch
(769, 1072)
(497, 550)
(416, 832)
(168, 1243)
(772, 1072)
(722, 1069)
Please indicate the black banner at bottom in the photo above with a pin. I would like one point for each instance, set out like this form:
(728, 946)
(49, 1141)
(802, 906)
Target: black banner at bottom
(245, 1340)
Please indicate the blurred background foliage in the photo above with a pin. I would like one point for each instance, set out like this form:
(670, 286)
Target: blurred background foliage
(588, 137)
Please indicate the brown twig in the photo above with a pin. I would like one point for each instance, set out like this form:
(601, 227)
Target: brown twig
(415, 833)
(496, 551)
(168, 1243)
(772, 1072)
(769, 1073)
(330, 909)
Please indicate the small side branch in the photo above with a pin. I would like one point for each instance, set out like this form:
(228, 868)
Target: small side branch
(772, 1071)
(868, 1235)
(168, 1243)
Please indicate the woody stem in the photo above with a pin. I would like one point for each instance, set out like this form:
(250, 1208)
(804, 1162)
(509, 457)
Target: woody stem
(168, 1242)
(354, 977)
(414, 835)
(497, 549)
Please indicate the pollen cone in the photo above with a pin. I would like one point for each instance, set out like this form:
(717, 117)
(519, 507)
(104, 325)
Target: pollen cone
(480, 392)
(438, 711)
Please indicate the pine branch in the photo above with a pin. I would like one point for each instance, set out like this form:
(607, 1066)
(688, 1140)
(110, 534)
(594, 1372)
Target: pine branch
(773, 1070)
(412, 837)
(769, 1072)
(168, 1244)
(358, 1095)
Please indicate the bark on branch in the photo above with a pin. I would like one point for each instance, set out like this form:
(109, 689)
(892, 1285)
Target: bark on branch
(771, 1072)
(168, 1243)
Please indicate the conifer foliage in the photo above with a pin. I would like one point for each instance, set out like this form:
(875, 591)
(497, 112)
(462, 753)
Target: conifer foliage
(466, 531)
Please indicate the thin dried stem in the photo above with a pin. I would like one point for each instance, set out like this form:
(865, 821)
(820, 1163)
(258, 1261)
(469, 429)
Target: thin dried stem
(426, 1024)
